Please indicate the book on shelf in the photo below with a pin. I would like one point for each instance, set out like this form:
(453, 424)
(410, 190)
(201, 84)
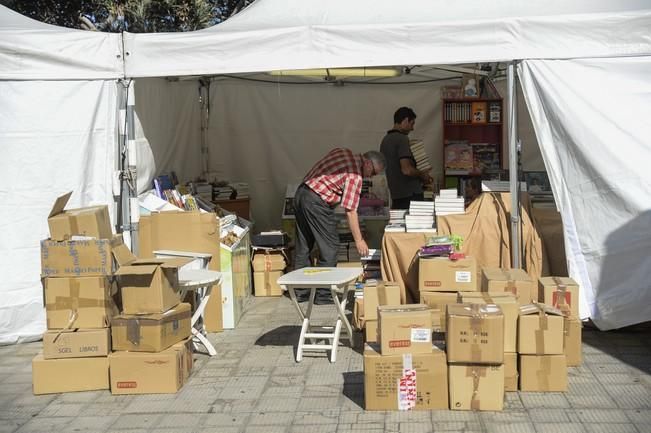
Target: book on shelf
(494, 112)
(479, 112)
(458, 158)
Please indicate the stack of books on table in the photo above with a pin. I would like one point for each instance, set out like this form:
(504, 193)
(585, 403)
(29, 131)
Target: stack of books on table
(448, 203)
(418, 151)
(221, 193)
(499, 186)
(396, 220)
(420, 217)
(241, 188)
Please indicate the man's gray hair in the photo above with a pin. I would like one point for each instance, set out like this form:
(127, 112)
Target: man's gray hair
(377, 158)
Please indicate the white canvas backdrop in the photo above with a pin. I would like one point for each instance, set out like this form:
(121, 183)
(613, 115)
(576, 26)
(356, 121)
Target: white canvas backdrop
(49, 150)
(590, 118)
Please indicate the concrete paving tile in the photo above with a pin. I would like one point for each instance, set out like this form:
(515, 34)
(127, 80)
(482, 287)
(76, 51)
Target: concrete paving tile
(591, 401)
(639, 416)
(237, 406)
(283, 391)
(267, 429)
(454, 416)
(62, 409)
(360, 428)
(81, 397)
(11, 425)
(328, 416)
(149, 406)
(275, 419)
(42, 424)
(518, 427)
(643, 428)
(276, 404)
(221, 430)
(618, 378)
(307, 404)
(243, 388)
(408, 427)
(92, 423)
(611, 428)
(325, 390)
(560, 428)
(544, 399)
(19, 378)
(180, 421)
(602, 416)
(320, 428)
(223, 420)
(417, 416)
(549, 415)
(135, 421)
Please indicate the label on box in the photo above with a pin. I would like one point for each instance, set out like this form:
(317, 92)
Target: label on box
(463, 277)
(421, 335)
(407, 390)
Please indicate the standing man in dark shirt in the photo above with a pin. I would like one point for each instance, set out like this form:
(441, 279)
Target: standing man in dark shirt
(405, 181)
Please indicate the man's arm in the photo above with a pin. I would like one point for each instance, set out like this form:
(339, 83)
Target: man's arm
(407, 168)
(353, 223)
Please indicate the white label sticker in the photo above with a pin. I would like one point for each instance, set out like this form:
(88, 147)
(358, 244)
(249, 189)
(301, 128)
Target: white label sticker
(463, 277)
(421, 335)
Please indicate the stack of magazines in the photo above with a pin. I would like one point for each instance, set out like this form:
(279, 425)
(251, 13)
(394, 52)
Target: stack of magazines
(437, 246)
(448, 203)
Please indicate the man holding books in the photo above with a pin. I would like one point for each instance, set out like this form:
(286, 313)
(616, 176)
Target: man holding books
(334, 180)
(404, 178)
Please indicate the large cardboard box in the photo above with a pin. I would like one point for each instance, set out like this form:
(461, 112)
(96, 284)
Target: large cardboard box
(82, 258)
(543, 373)
(186, 231)
(93, 221)
(377, 293)
(70, 374)
(148, 373)
(266, 283)
(509, 306)
(151, 332)
(476, 387)
(572, 342)
(186, 349)
(404, 329)
(371, 331)
(515, 281)
(406, 381)
(440, 274)
(358, 314)
(560, 292)
(76, 343)
(438, 302)
(510, 372)
(84, 302)
(475, 334)
(540, 330)
(272, 261)
(150, 285)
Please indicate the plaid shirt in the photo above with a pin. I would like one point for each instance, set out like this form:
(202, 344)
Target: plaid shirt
(337, 177)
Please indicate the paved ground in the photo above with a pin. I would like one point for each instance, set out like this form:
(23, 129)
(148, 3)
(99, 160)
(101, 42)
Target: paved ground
(254, 385)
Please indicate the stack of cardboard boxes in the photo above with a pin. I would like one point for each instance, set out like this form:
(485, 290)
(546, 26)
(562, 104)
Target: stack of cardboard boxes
(375, 293)
(268, 266)
(78, 293)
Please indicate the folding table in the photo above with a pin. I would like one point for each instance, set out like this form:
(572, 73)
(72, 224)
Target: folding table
(338, 281)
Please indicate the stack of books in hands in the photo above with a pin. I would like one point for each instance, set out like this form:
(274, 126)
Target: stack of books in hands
(420, 217)
(418, 151)
(447, 202)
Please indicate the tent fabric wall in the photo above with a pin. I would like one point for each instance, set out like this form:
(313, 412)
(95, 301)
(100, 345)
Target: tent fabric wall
(32, 50)
(590, 119)
(48, 151)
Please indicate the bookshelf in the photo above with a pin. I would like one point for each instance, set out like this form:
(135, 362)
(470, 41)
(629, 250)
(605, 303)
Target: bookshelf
(472, 139)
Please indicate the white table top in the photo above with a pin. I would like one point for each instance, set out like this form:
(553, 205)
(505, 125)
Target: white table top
(320, 276)
(193, 278)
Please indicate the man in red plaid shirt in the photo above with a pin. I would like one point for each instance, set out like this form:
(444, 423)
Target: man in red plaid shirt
(335, 179)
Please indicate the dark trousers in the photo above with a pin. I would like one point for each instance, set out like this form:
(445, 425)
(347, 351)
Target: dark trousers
(315, 223)
(403, 202)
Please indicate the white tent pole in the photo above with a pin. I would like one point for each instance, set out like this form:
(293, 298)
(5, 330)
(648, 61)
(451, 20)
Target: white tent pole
(128, 166)
(513, 166)
(204, 100)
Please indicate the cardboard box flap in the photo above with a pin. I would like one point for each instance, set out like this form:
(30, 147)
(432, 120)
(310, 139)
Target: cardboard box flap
(528, 309)
(500, 274)
(137, 270)
(489, 297)
(557, 281)
(180, 309)
(123, 256)
(402, 308)
(60, 204)
(176, 262)
(474, 310)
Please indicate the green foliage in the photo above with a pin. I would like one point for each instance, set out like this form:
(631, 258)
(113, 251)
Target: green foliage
(138, 16)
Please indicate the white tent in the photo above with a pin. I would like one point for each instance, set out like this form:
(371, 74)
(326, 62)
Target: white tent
(584, 69)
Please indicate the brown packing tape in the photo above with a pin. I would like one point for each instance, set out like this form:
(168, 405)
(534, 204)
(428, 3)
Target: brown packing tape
(74, 226)
(133, 331)
(510, 283)
(267, 262)
(476, 372)
(381, 293)
(540, 332)
(561, 297)
(476, 321)
(267, 282)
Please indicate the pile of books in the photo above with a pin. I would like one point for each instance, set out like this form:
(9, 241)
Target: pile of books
(371, 264)
(221, 193)
(499, 186)
(447, 202)
(420, 217)
(241, 189)
(418, 151)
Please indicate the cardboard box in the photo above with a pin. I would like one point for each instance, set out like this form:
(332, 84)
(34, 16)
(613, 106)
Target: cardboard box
(186, 349)
(543, 373)
(476, 387)
(560, 292)
(371, 331)
(406, 381)
(438, 302)
(151, 332)
(475, 334)
(71, 374)
(150, 286)
(266, 283)
(440, 274)
(572, 342)
(93, 221)
(272, 261)
(540, 330)
(148, 373)
(350, 265)
(84, 302)
(84, 258)
(377, 293)
(404, 329)
(510, 372)
(186, 231)
(509, 306)
(76, 343)
(358, 314)
(515, 281)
